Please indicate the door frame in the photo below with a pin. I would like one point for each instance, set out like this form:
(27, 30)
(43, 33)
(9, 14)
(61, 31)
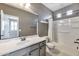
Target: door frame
(2, 18)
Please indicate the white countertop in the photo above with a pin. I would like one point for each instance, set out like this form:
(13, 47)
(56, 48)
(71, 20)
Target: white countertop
(10, 45)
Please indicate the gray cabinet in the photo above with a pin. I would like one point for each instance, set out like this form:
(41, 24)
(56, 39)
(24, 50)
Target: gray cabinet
(38, 49)
(20, 52)
(43, 48)
(42, 51)
(34, 50)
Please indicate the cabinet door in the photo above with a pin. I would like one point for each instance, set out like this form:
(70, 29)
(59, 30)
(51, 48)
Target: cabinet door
(43, 48)
(43, 51)
(34, 52)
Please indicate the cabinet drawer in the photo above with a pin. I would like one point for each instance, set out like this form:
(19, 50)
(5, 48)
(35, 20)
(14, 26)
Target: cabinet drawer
(20, 52)
(43, 43)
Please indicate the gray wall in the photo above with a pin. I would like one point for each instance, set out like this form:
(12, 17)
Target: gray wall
(43, 12)
(74, 6)
(26, 19)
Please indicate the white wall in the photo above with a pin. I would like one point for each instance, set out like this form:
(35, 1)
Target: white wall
(68, 32)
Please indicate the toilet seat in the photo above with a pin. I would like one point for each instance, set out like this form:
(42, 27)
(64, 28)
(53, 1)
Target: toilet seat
(51, 44)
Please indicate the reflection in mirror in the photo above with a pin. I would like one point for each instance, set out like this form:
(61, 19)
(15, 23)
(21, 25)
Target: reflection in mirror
(9, 27)
(13, 26)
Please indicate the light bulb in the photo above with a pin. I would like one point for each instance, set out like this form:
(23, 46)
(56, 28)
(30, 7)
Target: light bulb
(59, 15)
(21, 4)
(69, 12)
(27, 5)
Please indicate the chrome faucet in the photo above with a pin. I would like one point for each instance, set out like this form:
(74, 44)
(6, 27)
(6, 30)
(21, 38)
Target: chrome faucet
(23, 38)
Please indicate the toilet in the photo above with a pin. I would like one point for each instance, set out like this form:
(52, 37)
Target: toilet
(50, 45)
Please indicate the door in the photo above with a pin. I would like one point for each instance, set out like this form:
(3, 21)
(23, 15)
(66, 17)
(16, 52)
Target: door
(9, 26)
(13, 26)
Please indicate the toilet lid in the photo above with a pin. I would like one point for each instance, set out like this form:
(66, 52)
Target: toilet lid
(50, 45)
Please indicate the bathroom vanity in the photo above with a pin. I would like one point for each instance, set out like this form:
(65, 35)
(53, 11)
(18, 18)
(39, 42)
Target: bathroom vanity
(11, 42)
(30, 47)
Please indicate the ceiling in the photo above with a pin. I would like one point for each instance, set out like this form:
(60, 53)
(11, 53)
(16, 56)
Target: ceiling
(17, 5)
(56, 6)
(39, 8)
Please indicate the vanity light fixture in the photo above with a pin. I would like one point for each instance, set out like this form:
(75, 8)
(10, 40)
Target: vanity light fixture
(21, 4)
(69, 12)
(59, 15)
(27, 5)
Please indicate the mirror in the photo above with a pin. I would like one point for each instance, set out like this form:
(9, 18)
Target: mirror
(9, 26)
(17, 26)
